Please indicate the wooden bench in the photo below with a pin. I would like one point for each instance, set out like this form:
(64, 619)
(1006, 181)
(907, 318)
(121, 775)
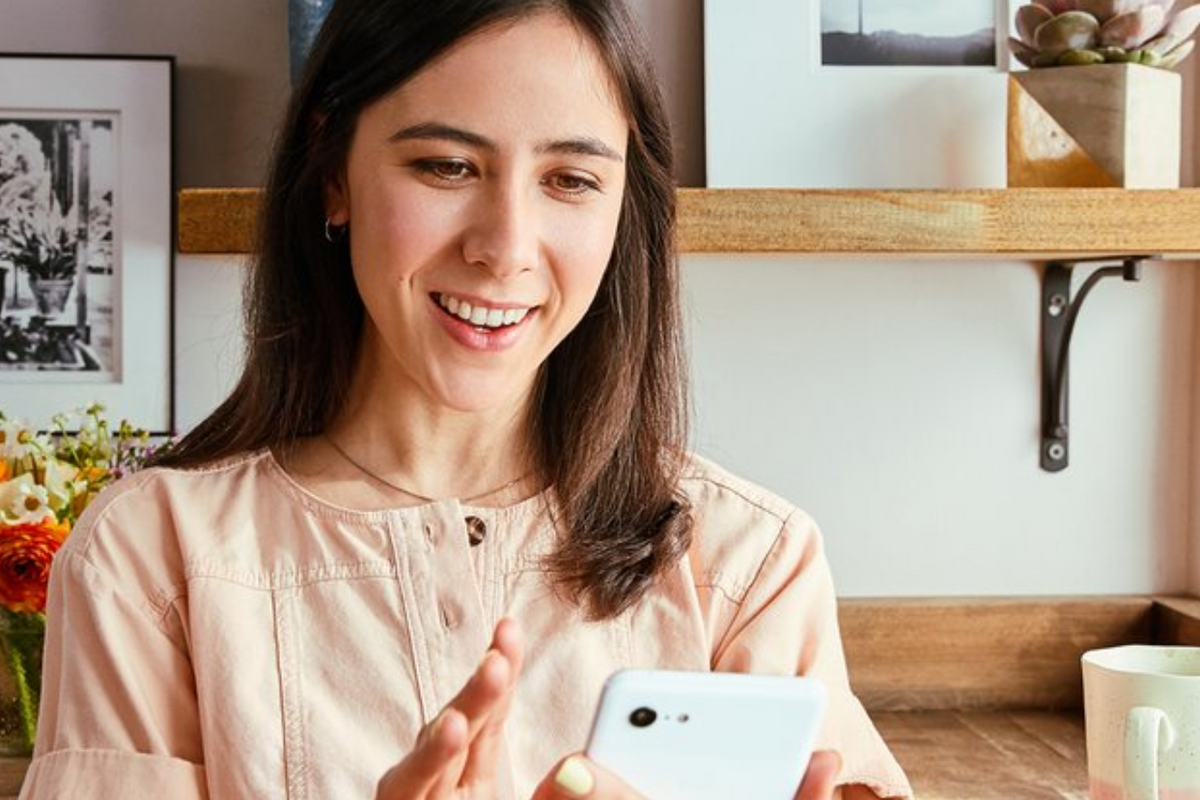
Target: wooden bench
(982, 699)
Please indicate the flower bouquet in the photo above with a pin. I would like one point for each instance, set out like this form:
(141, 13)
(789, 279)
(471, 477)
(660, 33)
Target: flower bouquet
(46, 481)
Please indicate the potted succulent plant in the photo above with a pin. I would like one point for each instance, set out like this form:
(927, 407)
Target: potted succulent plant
(1098, 105)
(1079, 32)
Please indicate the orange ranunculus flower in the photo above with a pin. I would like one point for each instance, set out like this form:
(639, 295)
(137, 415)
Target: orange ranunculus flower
(26, 551)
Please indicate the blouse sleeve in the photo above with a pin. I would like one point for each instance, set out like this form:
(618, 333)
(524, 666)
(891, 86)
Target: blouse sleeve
(787, 623)
(118, 715)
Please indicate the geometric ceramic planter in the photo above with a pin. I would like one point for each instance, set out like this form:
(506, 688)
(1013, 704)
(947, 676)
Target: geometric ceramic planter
(1096, 125)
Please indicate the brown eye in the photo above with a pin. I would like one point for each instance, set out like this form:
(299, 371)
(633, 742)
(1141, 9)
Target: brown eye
(446, 170)
(572, 184)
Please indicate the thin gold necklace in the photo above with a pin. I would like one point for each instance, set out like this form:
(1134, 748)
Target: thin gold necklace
(423, 498)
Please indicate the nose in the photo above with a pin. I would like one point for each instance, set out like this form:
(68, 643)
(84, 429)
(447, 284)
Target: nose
(503, 236)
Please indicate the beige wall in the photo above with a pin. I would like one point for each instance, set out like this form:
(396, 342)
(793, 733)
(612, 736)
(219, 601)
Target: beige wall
(231, 74)
(232, 69)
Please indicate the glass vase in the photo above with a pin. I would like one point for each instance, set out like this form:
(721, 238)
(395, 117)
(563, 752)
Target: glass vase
(21, 639)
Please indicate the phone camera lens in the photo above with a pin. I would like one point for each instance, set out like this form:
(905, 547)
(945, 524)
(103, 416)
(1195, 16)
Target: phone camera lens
(643, 717)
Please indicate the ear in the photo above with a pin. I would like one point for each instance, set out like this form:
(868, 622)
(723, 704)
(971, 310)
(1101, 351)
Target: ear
(337, 201)
(336, 198)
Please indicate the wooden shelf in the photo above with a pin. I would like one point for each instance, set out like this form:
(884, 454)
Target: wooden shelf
(1024, 224)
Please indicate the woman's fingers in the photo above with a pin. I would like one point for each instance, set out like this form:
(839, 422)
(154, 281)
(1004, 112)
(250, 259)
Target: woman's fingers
(475, 702)
(461, 745)
(483, 758)
(507, 639)
(577, 778)
(441, 742)
(821, 778)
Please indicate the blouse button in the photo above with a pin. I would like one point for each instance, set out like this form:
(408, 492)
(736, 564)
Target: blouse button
(450, 616)
(476, 530)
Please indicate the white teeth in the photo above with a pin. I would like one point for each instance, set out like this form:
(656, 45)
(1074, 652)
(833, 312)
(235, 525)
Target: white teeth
(480, 316)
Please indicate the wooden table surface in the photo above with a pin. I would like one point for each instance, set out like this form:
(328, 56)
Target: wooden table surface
(12, 772)
(989, 755)
(949, 755)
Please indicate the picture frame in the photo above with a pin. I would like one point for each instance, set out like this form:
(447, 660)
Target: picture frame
(86, 237)
(779, 114)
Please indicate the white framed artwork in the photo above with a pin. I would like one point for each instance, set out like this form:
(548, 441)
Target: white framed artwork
(856, 93)
(86, 250)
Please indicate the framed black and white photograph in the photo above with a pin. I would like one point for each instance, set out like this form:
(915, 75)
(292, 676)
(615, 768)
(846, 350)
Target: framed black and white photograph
(855, 94)
(929, 33)
(85, 236)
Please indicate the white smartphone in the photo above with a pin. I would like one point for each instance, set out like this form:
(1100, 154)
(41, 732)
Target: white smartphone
(707, 735)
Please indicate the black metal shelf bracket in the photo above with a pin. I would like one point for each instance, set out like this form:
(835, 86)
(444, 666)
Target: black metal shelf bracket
(1059, 313)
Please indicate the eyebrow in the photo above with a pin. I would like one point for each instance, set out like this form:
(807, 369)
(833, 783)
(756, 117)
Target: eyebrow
(579, 145)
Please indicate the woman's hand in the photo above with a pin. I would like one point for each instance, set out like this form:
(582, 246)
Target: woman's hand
(822, 772)
(577, 778)
(457, 754)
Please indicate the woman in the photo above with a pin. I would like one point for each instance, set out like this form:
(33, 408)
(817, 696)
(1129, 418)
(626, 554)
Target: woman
(459, 428)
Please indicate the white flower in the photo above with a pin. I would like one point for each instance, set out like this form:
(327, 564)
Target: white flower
(60, 483)
(22, 500)
(18, 440)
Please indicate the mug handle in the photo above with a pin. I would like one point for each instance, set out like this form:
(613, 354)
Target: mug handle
(1146, 731)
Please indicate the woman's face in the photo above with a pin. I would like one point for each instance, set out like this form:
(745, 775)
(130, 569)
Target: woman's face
(482, 198)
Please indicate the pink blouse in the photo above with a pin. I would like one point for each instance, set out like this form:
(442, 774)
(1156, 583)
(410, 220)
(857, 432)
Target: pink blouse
(224, 633)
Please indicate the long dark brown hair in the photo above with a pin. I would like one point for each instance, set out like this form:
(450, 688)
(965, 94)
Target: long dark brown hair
(609, 419)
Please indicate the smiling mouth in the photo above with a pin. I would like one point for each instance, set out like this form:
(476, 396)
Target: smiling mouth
(481, 316)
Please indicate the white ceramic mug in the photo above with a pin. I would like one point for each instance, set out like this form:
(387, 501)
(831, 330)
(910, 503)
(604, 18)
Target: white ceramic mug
(1142, 710)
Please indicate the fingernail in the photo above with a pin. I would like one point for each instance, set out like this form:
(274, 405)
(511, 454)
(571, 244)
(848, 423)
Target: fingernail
(574, 778)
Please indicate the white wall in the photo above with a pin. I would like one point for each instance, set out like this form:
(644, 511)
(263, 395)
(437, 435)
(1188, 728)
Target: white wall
(898, 402)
